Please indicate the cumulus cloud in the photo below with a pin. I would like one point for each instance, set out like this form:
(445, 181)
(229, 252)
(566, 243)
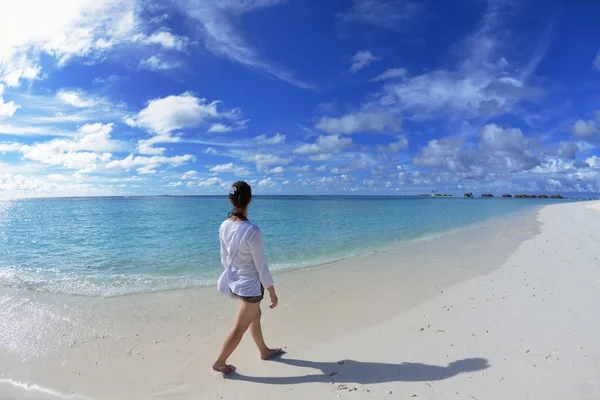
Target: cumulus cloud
(230, 168)
(149, 165)
(75, 98)
(91, 146)
(277, 138)
(222, 128)
(74, 29)
(593, 161)
(584, 129)
(480, 84)
(564, 149)
(277, 170)
(18, 185)
(191, 174)
(267, 182)
(10, 147)
(361, 60)
(162, 116)
(325, 145)
(210, 182)
(500, 150)
(360, 122)
(391, 74)
(156, 63)
(394, 147)
(7, 109)
(164, 39)
(261, 160)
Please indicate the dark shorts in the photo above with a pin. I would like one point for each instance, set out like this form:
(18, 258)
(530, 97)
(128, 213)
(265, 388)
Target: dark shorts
(252, 299)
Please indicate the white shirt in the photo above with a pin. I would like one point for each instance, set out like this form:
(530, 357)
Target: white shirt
(243, 256)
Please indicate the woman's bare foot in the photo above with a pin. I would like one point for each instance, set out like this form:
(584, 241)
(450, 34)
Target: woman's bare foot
(225, 369)
(271, 353)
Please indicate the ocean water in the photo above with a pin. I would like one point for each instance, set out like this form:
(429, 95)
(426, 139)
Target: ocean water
(119, 246)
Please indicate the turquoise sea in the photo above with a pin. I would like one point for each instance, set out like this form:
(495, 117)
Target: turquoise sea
(118, 246)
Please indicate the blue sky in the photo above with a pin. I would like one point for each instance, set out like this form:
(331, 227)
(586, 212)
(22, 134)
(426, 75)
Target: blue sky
(129, 97)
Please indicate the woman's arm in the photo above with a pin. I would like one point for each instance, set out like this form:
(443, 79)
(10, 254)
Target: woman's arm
(260, 262)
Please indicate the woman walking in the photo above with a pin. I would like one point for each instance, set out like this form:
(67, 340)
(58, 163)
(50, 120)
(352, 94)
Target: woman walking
(245, 277)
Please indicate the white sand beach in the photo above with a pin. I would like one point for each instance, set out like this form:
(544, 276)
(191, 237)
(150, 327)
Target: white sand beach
(508, 309)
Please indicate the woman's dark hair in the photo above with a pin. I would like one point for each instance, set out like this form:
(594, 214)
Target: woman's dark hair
(240, 195)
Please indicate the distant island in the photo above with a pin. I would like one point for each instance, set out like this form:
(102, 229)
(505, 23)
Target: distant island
(519, 196)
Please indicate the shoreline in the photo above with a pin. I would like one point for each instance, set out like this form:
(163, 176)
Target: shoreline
(336, 310)
(339, 256)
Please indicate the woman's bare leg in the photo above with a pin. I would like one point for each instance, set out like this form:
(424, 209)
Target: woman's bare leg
(257, 335)
(246, 314)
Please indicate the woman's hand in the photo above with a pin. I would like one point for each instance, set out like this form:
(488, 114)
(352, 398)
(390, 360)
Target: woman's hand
(274, 299)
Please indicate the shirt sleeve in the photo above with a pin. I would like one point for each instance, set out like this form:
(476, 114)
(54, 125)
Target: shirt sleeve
(260, 260)
(223, 248)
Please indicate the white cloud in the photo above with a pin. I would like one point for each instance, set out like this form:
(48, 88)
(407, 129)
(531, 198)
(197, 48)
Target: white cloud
(174, 184)
(361, 60)
(75, 28)
(10, 147)
(277, 170)
(90, 146)
(267, 182)
(7, 109)
(553, 185)
(277, 138)
(593, 161)
(170, 113)
(156, 63)
(149, 165)
(264, 160)
(146, 146)
(222, 128)
(392, 14)
(360, 122)
(584, 129)
(18, 185)
(481, 84)
(211, 182)
(500, 150)
(597, 61)
(325, 145)
(338, 171)
(191, 174)
(215, 22)
(165, 115)
(321, 157)
(394, 147)
(463, 94)
(391, 74)
(164, 39)
(75, 98)
(58, 178)
(230, 168)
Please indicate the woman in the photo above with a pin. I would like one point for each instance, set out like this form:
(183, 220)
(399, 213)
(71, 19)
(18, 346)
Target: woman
(245, 277)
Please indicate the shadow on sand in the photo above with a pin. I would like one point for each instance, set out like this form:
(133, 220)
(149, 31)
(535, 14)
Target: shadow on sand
(360, 372)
